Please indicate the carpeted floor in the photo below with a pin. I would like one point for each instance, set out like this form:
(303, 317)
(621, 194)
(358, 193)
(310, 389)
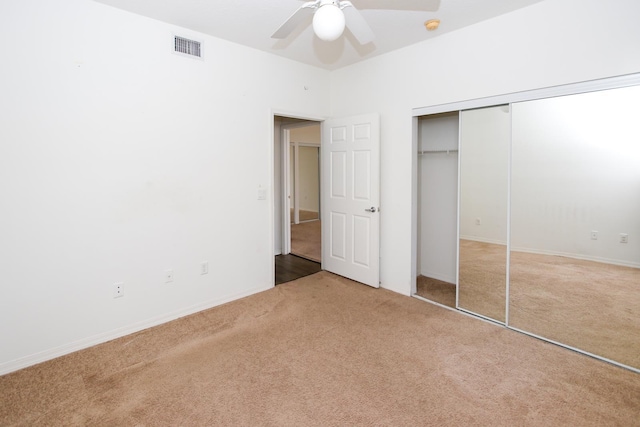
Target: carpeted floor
(306, 240)
(323, 351)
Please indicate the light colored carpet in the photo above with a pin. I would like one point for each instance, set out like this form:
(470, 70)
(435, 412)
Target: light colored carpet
(323, 351)
(306, 240)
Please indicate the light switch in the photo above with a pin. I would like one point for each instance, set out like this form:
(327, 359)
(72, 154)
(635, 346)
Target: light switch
(262, 194)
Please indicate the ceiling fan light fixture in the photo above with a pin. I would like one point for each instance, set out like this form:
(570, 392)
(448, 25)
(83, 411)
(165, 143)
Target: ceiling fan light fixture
(328, 22)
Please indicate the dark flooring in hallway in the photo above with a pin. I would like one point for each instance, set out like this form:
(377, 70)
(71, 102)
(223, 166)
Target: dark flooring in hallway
(292, 267)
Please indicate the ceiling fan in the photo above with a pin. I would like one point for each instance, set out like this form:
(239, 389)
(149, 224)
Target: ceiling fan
(329, 20)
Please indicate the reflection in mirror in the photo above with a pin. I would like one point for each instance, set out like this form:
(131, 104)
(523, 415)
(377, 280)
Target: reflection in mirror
(484, 160)
(308, 181)
(305, 183)
(575, 222)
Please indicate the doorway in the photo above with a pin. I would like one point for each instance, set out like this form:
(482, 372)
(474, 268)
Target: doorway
(350, 193)
(298, 228)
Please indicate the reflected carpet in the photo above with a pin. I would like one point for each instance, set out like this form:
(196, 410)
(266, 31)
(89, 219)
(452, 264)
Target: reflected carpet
(306, 240)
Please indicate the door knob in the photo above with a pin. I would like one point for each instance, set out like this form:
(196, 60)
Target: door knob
(372, 209)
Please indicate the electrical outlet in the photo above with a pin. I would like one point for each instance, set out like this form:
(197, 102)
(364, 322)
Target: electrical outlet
(624, 238)
(168, 276)
(478, 221)
(204, 267)
(594, 235)
(118, 290)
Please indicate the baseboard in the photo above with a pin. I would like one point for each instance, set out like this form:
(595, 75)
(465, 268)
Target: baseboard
(43, 356)
(441, 277)
(484, 240)
(395, 289)
(579, 257)
(582, 257)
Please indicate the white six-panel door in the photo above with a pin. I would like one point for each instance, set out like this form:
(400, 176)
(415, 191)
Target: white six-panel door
(351, 198)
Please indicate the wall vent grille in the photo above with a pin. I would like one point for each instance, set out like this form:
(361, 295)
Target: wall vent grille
(187, 47)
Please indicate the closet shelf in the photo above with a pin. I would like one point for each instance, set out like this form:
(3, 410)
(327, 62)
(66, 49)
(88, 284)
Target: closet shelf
(436, 151)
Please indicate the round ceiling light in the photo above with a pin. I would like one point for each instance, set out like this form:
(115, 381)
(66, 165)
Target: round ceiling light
(328, 22)
(432, 24)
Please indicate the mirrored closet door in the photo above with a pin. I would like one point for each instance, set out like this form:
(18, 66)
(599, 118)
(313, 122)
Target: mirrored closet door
(548, 214)
(484, 160)
(575, 222)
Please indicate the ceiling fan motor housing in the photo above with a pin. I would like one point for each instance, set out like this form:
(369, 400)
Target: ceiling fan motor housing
(328, 21)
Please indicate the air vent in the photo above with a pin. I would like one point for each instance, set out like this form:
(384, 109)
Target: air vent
(186, 46)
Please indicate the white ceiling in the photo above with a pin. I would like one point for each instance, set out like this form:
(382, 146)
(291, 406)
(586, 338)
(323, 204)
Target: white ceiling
(395, 23)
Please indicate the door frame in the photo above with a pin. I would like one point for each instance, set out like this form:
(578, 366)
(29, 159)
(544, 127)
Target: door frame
(277, 141)
(284, 157)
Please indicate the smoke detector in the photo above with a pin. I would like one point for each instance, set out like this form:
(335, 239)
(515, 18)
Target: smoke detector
(432, 24)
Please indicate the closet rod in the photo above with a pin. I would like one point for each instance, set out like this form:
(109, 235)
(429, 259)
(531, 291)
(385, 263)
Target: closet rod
(437, 151)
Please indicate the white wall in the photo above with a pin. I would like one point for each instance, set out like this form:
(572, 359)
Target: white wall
(576, 169)
(550, 43)
(116, 163)
(438, 184)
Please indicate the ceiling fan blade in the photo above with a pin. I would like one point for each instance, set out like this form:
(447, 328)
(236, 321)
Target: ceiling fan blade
(294, 20)
(356, 23)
